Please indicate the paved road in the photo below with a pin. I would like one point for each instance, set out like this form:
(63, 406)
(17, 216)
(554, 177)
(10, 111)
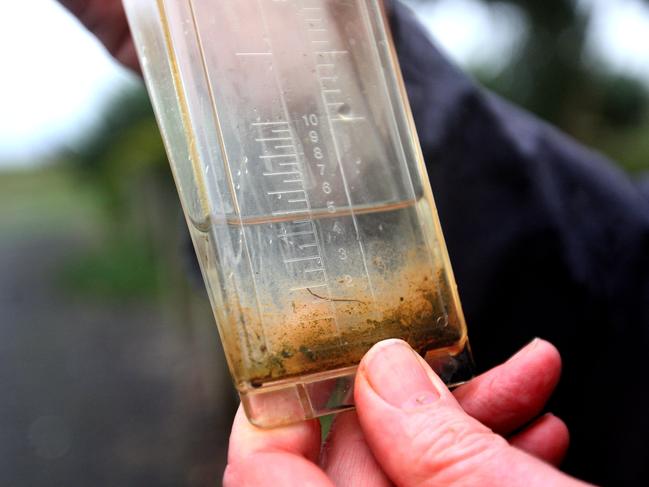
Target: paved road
(103, 394)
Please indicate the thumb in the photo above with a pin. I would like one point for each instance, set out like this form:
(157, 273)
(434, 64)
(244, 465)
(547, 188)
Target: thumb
(420, 435)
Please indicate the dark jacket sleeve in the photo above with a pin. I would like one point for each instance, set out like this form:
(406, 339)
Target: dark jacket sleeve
(548, 239)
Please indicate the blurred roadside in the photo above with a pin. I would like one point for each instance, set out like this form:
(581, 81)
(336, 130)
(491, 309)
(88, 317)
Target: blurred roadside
(111, 371)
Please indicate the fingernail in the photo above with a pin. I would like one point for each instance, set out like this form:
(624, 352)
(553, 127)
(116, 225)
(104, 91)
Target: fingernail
(525, 350)
(398, 377)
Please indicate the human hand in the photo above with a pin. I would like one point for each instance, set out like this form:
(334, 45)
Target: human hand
(410, 430)
(106, 20)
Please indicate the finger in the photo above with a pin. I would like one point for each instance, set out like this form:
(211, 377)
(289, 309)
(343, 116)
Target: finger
(547, 438)
(127, 55)
(77, 7)
(346, 458)
(107, 21)
(281, 456)
(420, 435)
(510, 395)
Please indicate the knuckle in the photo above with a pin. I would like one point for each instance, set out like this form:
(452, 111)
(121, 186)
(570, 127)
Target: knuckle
(506, 398)
(454, 450)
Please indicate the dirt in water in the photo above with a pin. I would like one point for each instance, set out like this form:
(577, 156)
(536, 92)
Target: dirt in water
(418, 308)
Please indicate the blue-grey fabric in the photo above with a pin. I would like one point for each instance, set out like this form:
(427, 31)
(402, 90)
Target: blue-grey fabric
(547, 239)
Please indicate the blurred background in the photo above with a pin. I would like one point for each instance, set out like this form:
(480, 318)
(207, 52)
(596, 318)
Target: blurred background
(111, 371)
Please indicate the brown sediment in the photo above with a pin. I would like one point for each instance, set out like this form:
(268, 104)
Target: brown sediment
(416, 307)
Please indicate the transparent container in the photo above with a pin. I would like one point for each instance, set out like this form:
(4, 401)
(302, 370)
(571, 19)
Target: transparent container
(305, 192)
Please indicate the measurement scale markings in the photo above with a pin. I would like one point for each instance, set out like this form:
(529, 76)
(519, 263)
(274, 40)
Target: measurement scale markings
(330, 102)
(327, 71)
(284, 173)
(304, 288)
(291, 212)
(308, 12)
(273, 139)
(275, 156)
(326, 90)
(257, 124)
(313, 271)
(288, 191)
(309, 246)
(295, 234)
(302, 259)
(348, 119)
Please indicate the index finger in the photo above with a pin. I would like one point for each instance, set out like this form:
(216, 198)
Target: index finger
(508, 396)
(284, 456)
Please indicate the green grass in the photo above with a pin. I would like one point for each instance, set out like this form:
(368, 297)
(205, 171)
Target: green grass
(120, 270)
(53, 203)
(630, 148)
(46, 200)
